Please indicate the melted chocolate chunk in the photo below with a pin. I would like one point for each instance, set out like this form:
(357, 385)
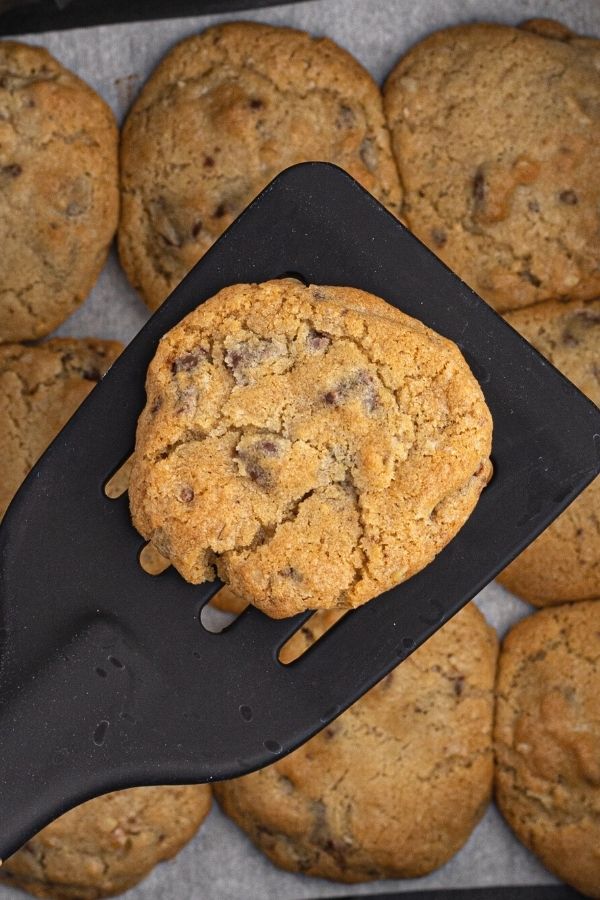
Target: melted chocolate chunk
(317, 340)
(208, 162)
(196, 228)
(568, 197)
(186, 494)
(188, 361)
(294, 575)
(256, 103)
(11, 171)
(219, 211)
(478, 186)
(526, 275)
(438, 236)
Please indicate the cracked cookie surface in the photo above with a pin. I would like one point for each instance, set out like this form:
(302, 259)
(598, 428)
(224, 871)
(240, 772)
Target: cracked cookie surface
(40, 389)
(313, 444)
(547, 736)
(224, 112)
(343, 805)
(564, 562)
(109, 844)
(58, 190)
(496, 132)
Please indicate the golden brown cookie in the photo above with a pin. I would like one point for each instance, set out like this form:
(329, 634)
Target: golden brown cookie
(58, 190)
(314, 444)
(40, 389)
(547, 737)
(343, 805)
(224, 112)
(496, 132)
(564, 562)
(109, 844)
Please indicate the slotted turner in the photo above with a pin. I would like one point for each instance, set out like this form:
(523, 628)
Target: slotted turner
(107, 678)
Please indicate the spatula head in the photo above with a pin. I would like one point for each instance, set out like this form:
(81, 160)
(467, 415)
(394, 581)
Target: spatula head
(107, 677)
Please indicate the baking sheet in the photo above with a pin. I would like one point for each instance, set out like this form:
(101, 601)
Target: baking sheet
(221, 864)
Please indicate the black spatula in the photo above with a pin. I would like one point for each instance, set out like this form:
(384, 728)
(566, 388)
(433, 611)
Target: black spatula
(107, 677)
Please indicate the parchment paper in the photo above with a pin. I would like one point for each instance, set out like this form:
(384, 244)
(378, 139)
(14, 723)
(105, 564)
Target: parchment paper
(221, 864)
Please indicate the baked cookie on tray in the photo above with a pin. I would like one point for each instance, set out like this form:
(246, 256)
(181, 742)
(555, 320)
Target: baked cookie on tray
(224, 112)
(343, 805)
(58, 190)
(109, 844)
(564, 562)
(40, 389)
(314, 445)
(547, 736)
(496, 132)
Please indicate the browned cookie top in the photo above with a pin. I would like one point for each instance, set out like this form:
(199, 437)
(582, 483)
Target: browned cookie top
(224, 112)
(40, 389)
(564, 562)
(58, 190)
(393, 788)
(314, 444)
(496, 132)
(548, 739)
(107, 845)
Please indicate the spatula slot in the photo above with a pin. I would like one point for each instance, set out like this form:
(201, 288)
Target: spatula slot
(118, 482)
(309, 634)
(151, 561)
(215, 620)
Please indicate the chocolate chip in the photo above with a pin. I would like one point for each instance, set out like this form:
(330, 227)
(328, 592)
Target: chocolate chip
(534, 206)
(258, 475)
(219, 211)
(256, 103)
(346, 116)
(331, 398)
(438, 236)
(569, 197)
(196, 228)
(268, 448)
(156, 405)
(330, 732)
(91, 374)
(11, 171)
(317, 340)
(459, 685)
(186, 494)
(208, 162)
(75, 209)
(478, 187)
(294, 574)
(188, 361)
(526, 275)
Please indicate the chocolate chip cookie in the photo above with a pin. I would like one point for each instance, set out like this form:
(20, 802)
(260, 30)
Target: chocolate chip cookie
(224, 112)
(40, 389)
(547, 736)
(109, 844)
(564, 562)
(314, 445)
(496, 132)
(58, 190)
(343, 805)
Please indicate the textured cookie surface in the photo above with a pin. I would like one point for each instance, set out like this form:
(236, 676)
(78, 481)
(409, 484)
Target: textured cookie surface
(58, 190)
(564, 562)
(314, 444)
(496, 132)
(40, 389)
(225, 112)
(548, 739)
(109, 844)
(394, 787)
